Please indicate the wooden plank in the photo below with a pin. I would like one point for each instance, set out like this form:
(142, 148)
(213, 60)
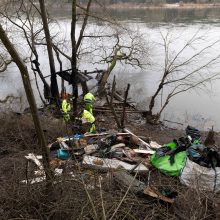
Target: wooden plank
(126, 180)
(153, 192)
(118, 110)
(139, 151)
(146, 145)
(124, 106)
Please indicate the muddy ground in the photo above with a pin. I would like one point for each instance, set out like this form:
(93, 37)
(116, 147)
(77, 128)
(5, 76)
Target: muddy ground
(70, 199)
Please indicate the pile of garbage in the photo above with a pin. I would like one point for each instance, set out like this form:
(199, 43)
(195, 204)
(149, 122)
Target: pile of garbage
(104, 151)
(197, 165)
(126, 155)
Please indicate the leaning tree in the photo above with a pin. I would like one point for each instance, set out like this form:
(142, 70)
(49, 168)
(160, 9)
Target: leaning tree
(17, 59)
(186, 65)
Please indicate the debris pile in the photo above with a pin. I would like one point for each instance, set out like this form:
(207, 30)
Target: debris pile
(127, 156)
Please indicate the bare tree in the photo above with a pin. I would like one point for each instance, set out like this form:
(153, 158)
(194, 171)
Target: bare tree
(184, 71)
(27, 86)
(23, 18)
(54, 86)
(130, 51)
(125, 48)
(88, 42)
(74, 59)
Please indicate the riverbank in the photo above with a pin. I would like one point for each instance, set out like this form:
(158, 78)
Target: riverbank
(142, 6)
(18, 138)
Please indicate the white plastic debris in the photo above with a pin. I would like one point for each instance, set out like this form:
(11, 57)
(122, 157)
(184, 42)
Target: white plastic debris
(105, 163)
(198, 177)
(35, 159)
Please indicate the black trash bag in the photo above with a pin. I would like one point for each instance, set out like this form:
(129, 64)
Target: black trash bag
(210, 158)
(195, 151)
(100, 130)
(162, 151)
(105, 145)
(182, 144)
(109, 140)
(193, 133)
(168, 192)
(204, 156)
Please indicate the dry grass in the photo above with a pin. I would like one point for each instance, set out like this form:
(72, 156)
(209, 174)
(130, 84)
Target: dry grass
(84, 196)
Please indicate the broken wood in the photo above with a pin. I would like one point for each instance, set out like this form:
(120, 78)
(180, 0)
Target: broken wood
(121, 99)
(139, 151)
(126, 180)
(153, 192)
(146, 145)
(113, 110)
(118, 110)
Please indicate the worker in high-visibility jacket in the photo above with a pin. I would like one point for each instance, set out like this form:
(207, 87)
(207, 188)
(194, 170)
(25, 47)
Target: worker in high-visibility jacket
(87, 117)
(88, 100)
(66, 108)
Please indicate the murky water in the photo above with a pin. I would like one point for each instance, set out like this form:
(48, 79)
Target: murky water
(196, 107)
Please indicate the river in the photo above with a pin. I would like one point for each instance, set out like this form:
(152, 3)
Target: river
(198, 107)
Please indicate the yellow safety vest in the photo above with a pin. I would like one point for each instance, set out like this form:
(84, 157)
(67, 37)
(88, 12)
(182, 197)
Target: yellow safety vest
(90, 118)
(66, 108)
(88, 99)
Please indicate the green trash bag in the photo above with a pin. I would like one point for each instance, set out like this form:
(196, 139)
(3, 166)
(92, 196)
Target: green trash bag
(163, 163)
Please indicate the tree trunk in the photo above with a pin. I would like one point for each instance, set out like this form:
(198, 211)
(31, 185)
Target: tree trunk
(105, 76)
(54, 85)
(74, 61)
(150, 117)
(107, 73)
(153, 118)
(152, 101)
(31, 100)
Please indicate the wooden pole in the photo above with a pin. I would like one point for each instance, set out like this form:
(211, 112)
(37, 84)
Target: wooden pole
(124, 106)
(111, 101)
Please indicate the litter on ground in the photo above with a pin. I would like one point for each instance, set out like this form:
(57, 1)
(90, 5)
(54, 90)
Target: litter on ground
(126, 155)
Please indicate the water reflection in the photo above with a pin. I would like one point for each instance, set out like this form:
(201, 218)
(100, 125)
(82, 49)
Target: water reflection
(199, 110)
(175, 15)
(151, 15)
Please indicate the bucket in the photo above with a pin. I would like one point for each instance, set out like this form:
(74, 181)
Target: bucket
(63, 154)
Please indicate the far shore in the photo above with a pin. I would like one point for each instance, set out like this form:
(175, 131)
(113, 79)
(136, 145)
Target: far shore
(159, 6)
(143, 6)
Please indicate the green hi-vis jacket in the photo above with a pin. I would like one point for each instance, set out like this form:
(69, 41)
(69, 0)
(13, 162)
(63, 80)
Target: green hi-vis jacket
(88, 99)
(90, 118)
(66, 108)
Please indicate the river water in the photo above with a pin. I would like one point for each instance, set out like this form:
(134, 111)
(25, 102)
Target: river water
(198, 107)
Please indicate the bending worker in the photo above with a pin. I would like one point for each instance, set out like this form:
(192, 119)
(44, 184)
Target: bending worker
(88, 121)
(87, 114)
(88, 101)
